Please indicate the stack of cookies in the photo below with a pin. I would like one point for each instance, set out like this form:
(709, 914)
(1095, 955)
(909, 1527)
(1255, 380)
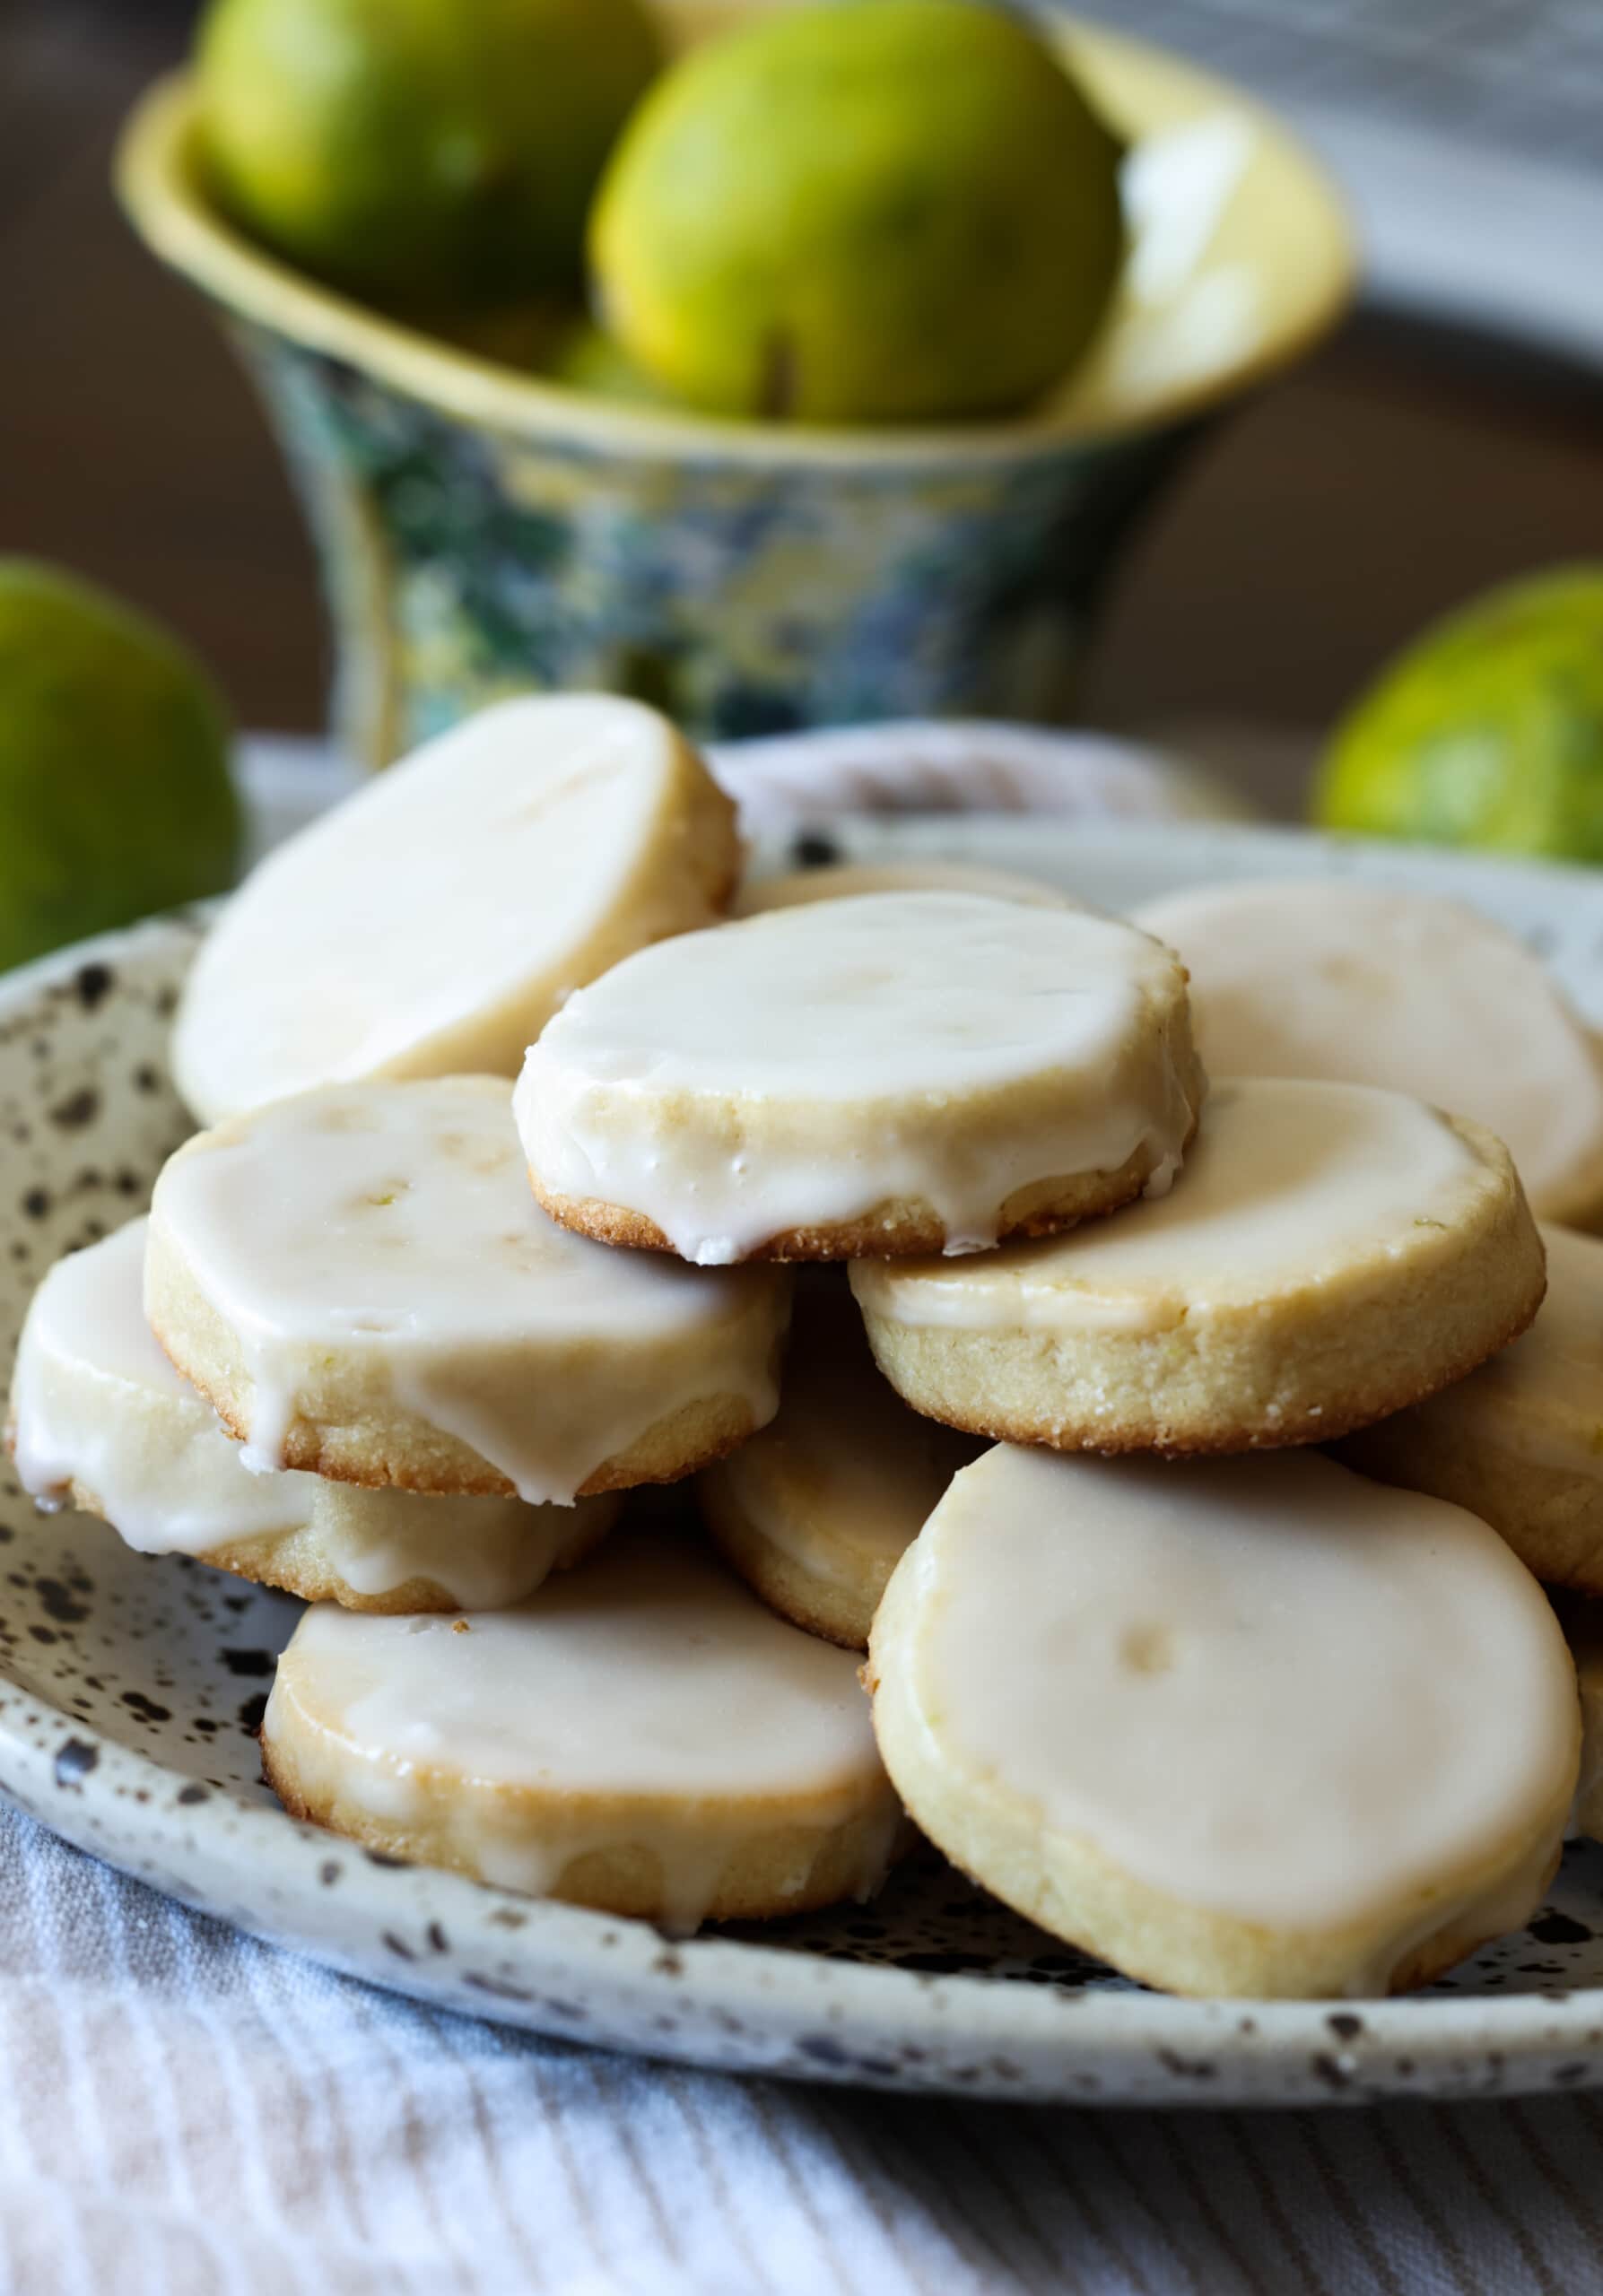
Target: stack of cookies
(904, 1222)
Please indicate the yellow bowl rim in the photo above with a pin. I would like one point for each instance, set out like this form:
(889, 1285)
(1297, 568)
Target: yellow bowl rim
(153, 185)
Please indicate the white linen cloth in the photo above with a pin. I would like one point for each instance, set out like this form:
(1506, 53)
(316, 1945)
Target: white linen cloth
(186, 2112)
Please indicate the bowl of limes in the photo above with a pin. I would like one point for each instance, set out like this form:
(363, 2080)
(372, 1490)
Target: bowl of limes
(782, 366)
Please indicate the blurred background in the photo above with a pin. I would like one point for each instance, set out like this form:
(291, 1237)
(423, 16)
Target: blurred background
(1446, 437)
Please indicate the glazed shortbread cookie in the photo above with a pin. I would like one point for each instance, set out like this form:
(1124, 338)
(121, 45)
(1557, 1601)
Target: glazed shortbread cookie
(1373, 985)
(904, 1072)
(845, 880)
(1520, 1440)
(101, 1420)
(1330, 1253)
(815, 1511)
(641, 1736)
(431, 923)
(1583, 1624)
(1244, 1727)
(360, 1284)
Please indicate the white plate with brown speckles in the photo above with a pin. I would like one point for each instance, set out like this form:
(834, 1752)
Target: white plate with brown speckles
(130, 1688)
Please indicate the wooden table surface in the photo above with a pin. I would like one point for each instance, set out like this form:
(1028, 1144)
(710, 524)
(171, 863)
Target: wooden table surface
(1394, 472)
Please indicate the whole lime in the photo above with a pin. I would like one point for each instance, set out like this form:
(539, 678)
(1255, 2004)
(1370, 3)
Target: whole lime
(115, 795)
(588, 359)
(419, 150)
(1488, 731)
(869, 210)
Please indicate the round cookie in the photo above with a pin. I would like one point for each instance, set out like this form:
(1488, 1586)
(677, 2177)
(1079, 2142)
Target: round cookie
(641, 1736)
(1583, 1624)
(99, 1420)
(360, 1284)
(431, 923)
(815, 1510)
(1520, 1440)
(1377, 985)
(1252, 1727)
(845, 880)
(904, 1071)
(1329, 1254)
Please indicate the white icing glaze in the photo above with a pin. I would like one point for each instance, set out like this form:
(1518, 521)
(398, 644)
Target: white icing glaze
(1286, 1185)
(1269, 1689)
(95, 1401)
(1506, 1904)
(481, 1553)
(802, 1068)
(845, 880)
(843, 1477)
(1542, 1398)
(390, 1227)
(433, 921)
(1373, 985)
(97, 1406)
(643, 1698)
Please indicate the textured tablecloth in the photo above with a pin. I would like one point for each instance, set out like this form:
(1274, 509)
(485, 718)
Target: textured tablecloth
(185, 2111)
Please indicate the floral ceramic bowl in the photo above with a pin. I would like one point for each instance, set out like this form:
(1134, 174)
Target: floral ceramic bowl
(482, 530)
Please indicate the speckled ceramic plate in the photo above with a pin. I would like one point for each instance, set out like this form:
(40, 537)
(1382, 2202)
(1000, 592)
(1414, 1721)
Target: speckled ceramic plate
(130, 1688)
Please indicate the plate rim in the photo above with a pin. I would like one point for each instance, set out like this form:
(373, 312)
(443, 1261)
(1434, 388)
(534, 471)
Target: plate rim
(1348, 2050)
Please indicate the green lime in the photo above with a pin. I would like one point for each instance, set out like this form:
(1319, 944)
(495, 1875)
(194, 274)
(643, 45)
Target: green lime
(1488, 731)
(115, 795)
(419, 150)
(588, 359)
(865, 211)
